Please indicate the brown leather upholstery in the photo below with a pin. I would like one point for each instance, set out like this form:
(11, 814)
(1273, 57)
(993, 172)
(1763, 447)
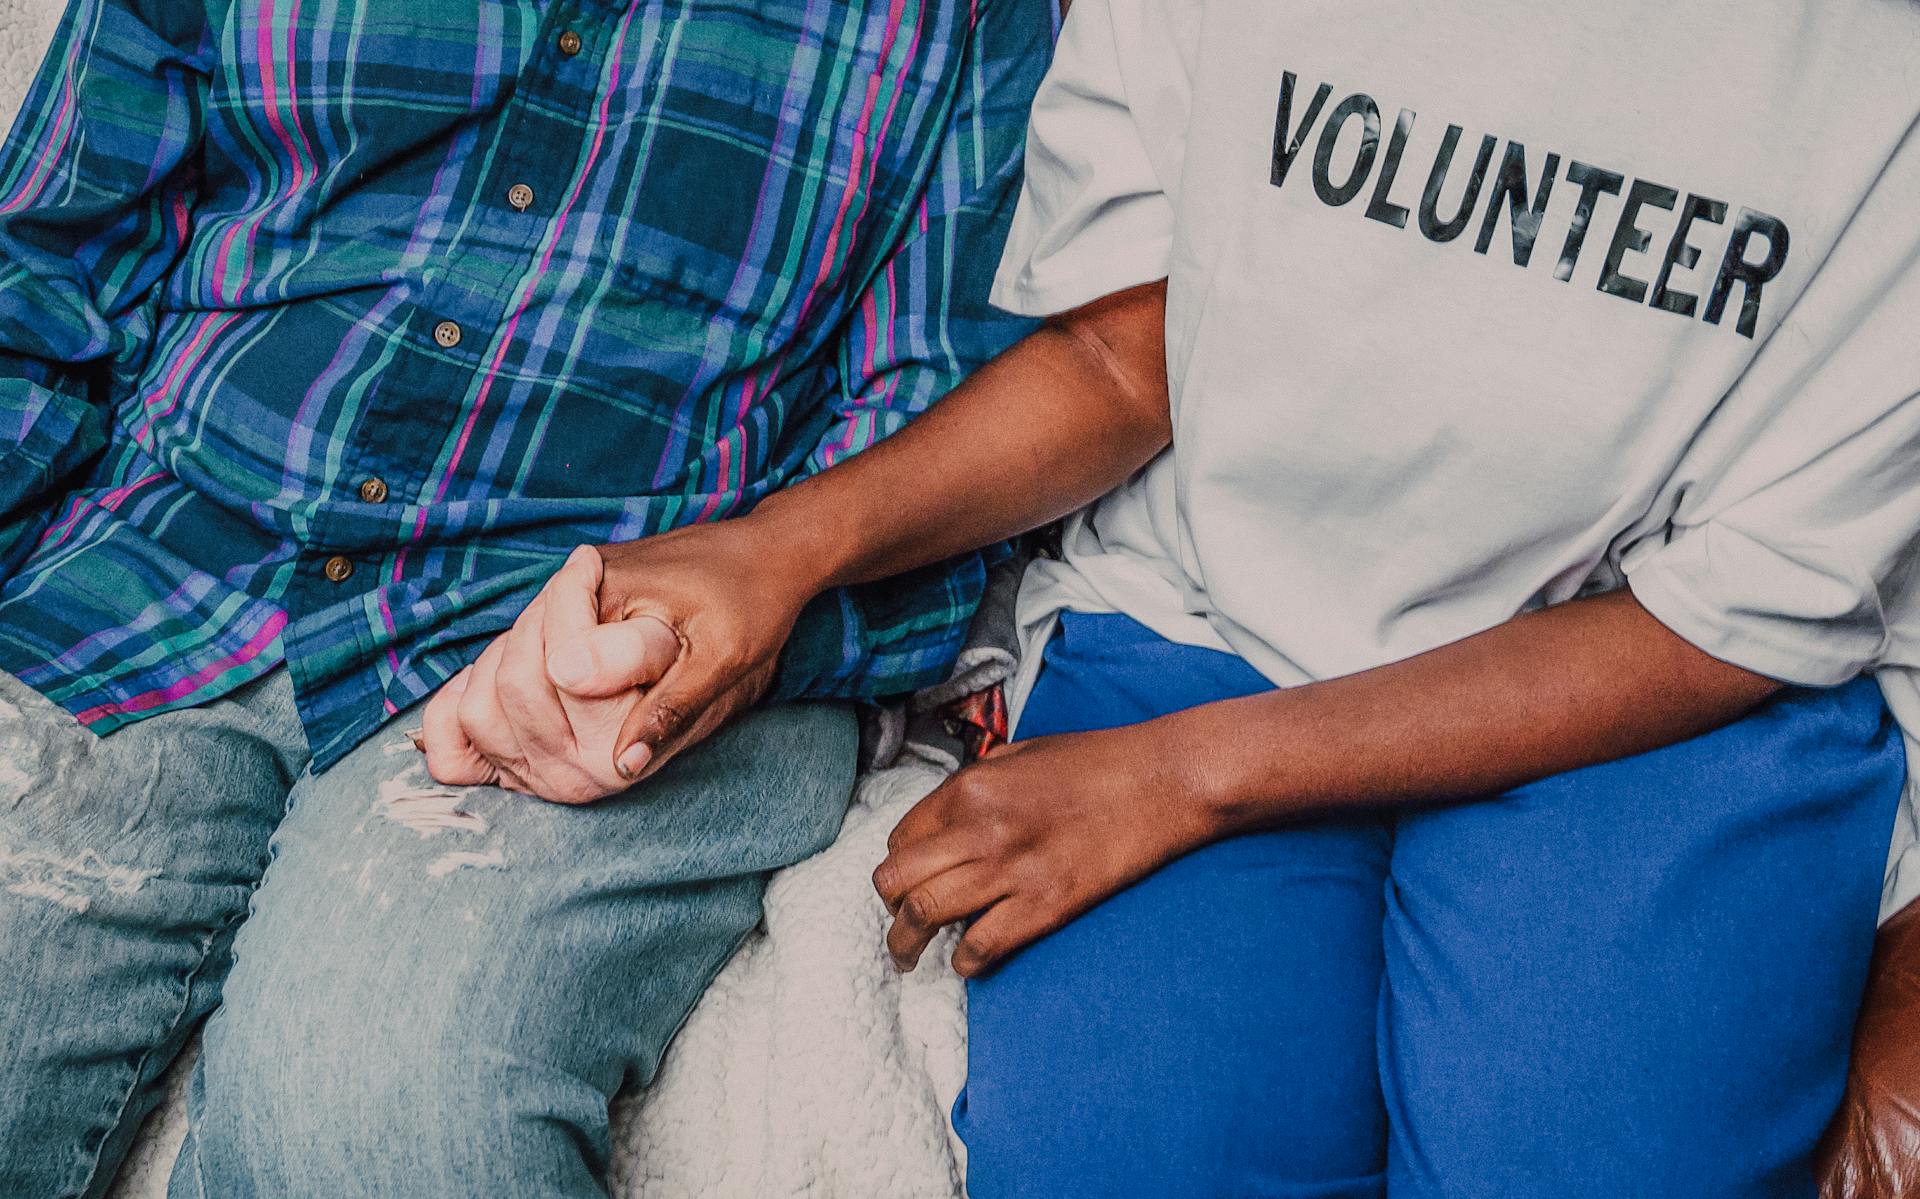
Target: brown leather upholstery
(1872, 1151)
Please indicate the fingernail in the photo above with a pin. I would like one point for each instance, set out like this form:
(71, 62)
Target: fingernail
(419, 739)
(570, 666)
(634, 760)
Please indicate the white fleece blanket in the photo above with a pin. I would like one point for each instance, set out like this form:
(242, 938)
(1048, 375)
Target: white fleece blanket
(809, 1071)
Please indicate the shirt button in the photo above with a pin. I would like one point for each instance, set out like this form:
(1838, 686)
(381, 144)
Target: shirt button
(520, 196)
(570, 43)
(374, 491)
(338, 570)
(447, 334)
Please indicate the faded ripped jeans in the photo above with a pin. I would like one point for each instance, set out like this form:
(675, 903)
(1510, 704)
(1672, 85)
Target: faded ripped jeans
(414, 990)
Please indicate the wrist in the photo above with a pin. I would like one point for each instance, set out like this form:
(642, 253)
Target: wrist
(810, 656)
(811, 551)
(1226, 791)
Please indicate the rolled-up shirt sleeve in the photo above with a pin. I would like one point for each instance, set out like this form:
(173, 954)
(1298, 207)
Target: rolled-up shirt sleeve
(1810, 581)
(1104, 141)
(1794, 545)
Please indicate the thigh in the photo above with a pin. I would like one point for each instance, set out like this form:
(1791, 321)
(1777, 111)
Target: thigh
(1210, 1030)
(440, 989)
(1639, 979)
(125, 864)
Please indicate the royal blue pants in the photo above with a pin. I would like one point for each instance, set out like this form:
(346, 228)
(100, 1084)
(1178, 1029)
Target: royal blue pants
(1632, 980)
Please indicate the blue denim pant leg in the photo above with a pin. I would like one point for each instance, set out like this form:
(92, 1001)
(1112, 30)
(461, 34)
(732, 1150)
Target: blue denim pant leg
(1210, 1031)
(1633, 981)
(125, 867)
(1639, 980)
(439, 991)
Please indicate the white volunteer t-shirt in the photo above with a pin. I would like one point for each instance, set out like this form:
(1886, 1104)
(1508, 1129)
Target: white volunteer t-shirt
(1473, 307)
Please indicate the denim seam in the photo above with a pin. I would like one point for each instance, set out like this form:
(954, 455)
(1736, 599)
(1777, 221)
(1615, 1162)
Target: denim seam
(706, 983)
(140, 1065)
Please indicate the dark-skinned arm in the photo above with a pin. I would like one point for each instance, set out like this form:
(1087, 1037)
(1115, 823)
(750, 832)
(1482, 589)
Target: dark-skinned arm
(1054, 424)
(1037, 834)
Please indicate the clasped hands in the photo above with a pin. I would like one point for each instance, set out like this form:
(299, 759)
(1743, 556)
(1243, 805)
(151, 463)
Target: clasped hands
(631, 654)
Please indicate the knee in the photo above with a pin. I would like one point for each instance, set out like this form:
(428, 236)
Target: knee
(281, 1099)
(1139, 1137)
(1123, 1098)
(1125, 1056)
(308, 1096)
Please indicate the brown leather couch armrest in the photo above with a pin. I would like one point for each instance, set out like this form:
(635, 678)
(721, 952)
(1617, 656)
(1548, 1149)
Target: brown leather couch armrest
(1872, 1150)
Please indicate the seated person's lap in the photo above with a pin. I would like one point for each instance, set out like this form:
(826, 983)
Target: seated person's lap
(423, 969)
(1634, 979)
(498, 966)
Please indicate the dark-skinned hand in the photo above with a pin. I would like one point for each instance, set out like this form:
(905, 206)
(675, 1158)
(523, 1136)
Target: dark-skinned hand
(1030, 837)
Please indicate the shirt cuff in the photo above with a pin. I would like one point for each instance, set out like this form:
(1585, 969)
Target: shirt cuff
(816, 653)
(1761, 609)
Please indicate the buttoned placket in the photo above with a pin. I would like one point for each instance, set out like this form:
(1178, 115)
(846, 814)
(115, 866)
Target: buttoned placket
(533, 165)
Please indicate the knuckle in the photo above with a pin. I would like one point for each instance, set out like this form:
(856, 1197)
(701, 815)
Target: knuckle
(1034, 877)
(515, 691)
(994, 834)
(898, 838)
(1050, 882)
(978, 794)
(1052, 894)
(671, 717)
(921, 908)
(974, 952)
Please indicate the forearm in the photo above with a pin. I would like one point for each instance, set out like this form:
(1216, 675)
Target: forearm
(1584, 682)
(1051, 425)
(1025, 840)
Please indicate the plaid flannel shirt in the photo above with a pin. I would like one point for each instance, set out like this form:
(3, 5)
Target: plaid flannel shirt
(328, 327)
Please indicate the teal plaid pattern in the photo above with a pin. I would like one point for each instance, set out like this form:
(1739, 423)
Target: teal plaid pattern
(328, 327)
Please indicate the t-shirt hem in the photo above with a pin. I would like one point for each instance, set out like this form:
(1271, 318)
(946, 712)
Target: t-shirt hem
(1710, 631)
